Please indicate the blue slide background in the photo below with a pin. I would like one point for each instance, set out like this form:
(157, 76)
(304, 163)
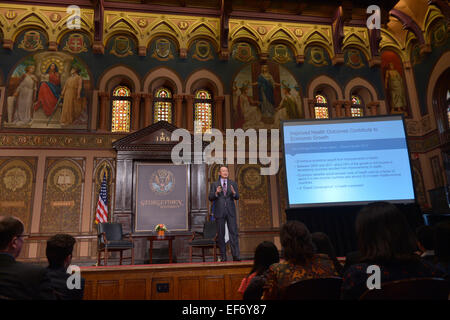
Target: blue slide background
(347, 162)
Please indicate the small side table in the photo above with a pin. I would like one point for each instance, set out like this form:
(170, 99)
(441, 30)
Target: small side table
(156, 238)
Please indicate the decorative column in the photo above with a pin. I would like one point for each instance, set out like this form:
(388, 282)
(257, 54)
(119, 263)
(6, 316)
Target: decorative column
(104, 114)
(373, 108)
(178, 110)
(311, 103)
(338, 108)
(189, 112)
(148, 97)
(348, 106)
(218, 108)
(135, 112)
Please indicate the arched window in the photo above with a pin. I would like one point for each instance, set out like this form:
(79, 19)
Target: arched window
(121, 109)
(202, 111)
(357, 108)
(321, 107)
(162, 108)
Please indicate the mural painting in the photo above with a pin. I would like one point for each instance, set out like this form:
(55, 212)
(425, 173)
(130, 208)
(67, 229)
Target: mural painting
(48, 90)
(265, 94)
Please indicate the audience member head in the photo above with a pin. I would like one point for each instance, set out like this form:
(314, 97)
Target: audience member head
(59, 251)
(425, 238)
(384, 234)
(266, 254)
(323, 244)
(442, 247)
(11, 235)
(296, 241)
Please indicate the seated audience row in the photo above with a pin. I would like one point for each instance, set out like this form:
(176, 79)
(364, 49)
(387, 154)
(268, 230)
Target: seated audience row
(384, 239)
(23, 281)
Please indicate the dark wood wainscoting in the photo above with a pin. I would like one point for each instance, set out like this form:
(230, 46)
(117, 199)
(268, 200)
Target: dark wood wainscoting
(183, 281)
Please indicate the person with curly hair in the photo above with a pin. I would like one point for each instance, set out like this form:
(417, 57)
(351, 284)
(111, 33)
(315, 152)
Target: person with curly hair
(300, 261)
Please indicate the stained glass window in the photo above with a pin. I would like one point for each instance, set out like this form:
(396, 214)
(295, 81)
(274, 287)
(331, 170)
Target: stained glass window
(203, 111)
(357, 107)
(321, 112)
(320, 99)
(356, 100)
(321, 107)
(356, 112)
(163, 105)
(121, 109)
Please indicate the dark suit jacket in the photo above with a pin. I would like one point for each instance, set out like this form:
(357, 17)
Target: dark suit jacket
(59, 282)
(22, 281)
(221, 199)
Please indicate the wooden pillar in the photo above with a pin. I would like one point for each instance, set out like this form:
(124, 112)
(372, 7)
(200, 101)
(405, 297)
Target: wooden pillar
(189, 112)
(135, 112)
(104, 108)
(218, 114)
(148, 97)
(178, 110)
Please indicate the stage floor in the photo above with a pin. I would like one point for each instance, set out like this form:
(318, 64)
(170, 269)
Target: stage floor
(176, 281)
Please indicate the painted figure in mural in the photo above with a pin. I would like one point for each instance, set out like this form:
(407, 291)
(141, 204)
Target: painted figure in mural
(288, 102)
(289, 107)
(266, 86)
(248, 114)
(394, 84)
(49, 90)
(72, 100)
(25, 95)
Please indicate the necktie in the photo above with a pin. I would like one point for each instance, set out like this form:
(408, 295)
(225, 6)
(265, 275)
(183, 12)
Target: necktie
(224, 187)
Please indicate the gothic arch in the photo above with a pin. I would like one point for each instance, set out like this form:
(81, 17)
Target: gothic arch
(207, 77)
(117, 71)
(162, 73)
(324, 81)
(364, 84)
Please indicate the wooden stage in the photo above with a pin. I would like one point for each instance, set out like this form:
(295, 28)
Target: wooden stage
(179, 281)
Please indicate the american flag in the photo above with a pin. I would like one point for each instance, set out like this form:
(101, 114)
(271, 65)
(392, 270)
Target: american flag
(101, 215)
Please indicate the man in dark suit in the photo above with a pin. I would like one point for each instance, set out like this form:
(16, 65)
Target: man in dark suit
(19, 281)
(223, 192)
(59, 255)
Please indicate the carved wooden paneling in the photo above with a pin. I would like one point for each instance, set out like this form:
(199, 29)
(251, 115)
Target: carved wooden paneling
(199, 194)
(63, 195)
(134, 289)
(158, 295)
(233, 283)
(17, 183)
(282, 194)
(180, 281)
(254, 203)
(419, 185)
(212, 288)
(188, 288)
(108, 289)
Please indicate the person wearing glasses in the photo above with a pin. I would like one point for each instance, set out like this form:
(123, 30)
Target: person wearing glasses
(19, 281)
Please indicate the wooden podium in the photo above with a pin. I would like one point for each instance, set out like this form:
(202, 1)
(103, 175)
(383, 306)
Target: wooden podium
(152, 145)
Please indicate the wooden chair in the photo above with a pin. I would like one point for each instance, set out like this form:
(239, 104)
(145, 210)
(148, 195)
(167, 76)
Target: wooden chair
(313, 289)
(410, 289)
(111, 238)
(204, 240)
